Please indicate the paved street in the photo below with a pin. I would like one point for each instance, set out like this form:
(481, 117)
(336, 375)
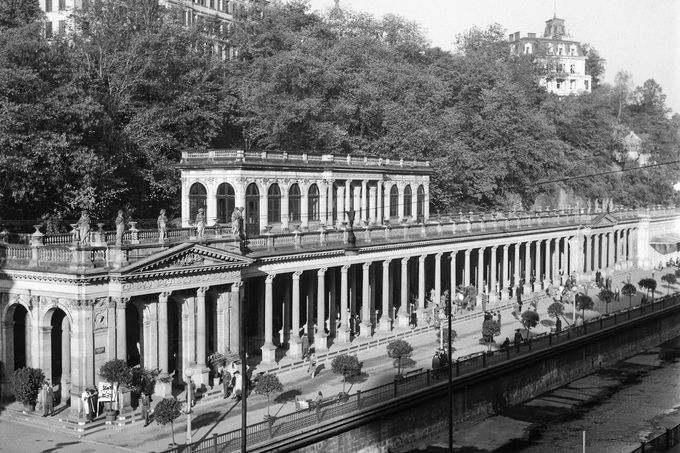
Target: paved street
(219, 416)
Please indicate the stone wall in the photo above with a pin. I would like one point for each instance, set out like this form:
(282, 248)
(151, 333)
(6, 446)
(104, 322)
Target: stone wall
(485, 392)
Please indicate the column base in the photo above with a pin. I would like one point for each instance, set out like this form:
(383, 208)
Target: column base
(342, 335)
(365, 330)
(505, 294)
(546, 284)
(268, 353)
(163, 389)
(526, 289)
(385, 325)
(295, 347)
(321, 342)
(200, 377)
(403, 319)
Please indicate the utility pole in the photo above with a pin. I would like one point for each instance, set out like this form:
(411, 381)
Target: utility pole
(244, 374)
(450, 386)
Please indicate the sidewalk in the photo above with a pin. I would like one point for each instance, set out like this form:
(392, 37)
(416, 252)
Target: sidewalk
(222, 415)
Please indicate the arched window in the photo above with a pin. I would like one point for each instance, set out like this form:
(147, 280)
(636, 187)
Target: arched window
(394, 201)
(197, 199)
(313, 203)
(226, 202)
(420, 202)
(274, 204)
(252, 210)
(294, 203)
(408, 200)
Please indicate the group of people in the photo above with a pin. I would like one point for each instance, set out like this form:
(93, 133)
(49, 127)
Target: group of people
(231, 381)
(440, 361)
(46, 398)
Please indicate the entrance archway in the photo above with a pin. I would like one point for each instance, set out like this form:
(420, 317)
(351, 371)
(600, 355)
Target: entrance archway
(57, 353)
(21, 336)
(133, 329)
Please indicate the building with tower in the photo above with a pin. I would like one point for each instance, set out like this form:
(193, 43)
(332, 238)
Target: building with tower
(561, 55)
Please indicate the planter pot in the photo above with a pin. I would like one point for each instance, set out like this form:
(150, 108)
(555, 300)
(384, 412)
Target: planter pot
(343, 397)
(110, 415)
(30, 407)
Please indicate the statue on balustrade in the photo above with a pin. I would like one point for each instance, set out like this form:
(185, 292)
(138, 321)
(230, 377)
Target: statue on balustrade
(351, 237)
(84, 227)
(162, 227)
(236, 218)
(200, 224)
(120, 228)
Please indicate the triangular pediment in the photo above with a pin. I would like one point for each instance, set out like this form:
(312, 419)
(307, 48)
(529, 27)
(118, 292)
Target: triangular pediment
(603, 220)
(188, 256)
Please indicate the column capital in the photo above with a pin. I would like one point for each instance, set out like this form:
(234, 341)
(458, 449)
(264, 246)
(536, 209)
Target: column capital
(236, 286)
(202, 290)
(386, 263)
(163, 296)
(345, 268)
(422, 258)
(468, 252)
(121, 302)
(364, 182)
(404, 260)
(321, 272)
(439, 255)
(494, 248)
(269, 279)
(297, 274)
(366, 266)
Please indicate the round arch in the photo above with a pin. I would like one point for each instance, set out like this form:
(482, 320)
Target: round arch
(198, 197)
(294, 203)
(252, 213)
(313, 203)
(420, 203)
(408, 201)
(394, 201)
(226, 202)
(274, 204)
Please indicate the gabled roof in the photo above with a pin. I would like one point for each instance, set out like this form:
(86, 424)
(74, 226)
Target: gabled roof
(187, 257)
(603, 220)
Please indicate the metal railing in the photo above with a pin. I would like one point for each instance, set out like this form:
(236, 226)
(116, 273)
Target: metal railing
(662, 442)
(411, 383)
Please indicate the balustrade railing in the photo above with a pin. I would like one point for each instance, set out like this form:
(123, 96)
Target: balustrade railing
(414, 382)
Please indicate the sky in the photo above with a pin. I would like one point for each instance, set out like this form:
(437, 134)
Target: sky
(638, 36)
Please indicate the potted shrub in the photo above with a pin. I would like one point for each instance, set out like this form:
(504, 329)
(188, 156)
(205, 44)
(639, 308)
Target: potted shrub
(118, 374)
(266, 385)
(166, 411)
(348, 366)
(26, 384)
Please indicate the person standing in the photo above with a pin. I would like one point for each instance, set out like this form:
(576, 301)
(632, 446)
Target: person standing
(49, 400)
(518, 339)
(312, 365)
(146, 405)
(237, 386)
(226, 382)
(558, 325)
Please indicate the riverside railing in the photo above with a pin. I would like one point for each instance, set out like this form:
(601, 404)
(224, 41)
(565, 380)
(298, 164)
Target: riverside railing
(22, 250)
(662, 442)
(344, 404)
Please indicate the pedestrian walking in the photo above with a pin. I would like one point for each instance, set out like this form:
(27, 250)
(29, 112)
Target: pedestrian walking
(226, 382)
(518, 339)
(506, 344)
(48, 399)
(146, 406)
(558, 325)
(237, 384)
(616, 294)
(312, 365)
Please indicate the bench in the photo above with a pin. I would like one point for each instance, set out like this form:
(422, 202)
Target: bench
(310, 403)
(413, 372)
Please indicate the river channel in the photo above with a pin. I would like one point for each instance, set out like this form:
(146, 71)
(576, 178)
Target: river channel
(637, 411)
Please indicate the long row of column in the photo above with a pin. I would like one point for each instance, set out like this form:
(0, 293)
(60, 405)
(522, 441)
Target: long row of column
(498, 273)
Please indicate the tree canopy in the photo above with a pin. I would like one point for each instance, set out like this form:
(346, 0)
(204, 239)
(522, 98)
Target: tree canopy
(98, 119)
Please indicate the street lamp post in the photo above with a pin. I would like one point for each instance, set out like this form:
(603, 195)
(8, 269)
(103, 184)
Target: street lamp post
(190, 398)
(449, 303)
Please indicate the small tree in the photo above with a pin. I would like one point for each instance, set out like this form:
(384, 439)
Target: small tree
(166, 411)
(529, 320)
(26, 383)
(266, 385)
(347, 366)
(629, 290)
(556, 309)
(584, 303)
(670, 279)
(607, 296)
(117, 373)
(143, 380)
(648, 284)
(398, 350)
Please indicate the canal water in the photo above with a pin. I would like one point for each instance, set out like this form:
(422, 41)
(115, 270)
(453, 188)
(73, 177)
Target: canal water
(637, 411)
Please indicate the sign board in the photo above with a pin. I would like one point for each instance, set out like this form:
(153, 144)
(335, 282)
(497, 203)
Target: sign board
(100, 350)
(106, 391)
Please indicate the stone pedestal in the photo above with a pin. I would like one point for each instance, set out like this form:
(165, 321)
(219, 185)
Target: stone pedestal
(342, 335)
(117, 257)
(526, 289)
(365, 330)
(385, 324)
(295, 347)
(200, 377)
(321, 342)
(505, 294)
(403, 320)
(124, 401)
(268, 353)
(163, 389)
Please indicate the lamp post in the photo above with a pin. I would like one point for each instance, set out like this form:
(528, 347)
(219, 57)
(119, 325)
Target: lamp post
(190, 398)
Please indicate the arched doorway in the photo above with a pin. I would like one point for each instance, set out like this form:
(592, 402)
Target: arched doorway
(226, 202)
(274, 204)
(313, 204)
(252, 210)
(133, 330)
(174, 320)
(57, 346)
(294, 203)
(21, 334)
(197, 199)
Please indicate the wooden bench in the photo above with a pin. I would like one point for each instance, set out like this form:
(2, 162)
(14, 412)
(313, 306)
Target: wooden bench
(312, 403)
(413, 372)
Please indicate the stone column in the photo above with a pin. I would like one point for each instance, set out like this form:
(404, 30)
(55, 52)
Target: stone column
(221, 322)
(426, 202)
(323, 202)
(505, 289)
(365, 330)
(304, 206)
(492, 275)
(295, 340)
(372, 210)
(121, 329)
(163, 332)
(235, 299)
(421, 286)
(387, 186)
(200, 376)
(480, 274)
(348, 198)
(65, 384)
(268, 348)
(320, 336)
(537, 266)
(285, 212)
(596, 252)
(340, 205)
(264, 208)
(527, 268)
(547, 276)
(630, 253)
(516, 273)
(343, 335)
(467, 272)
(603, 251)
(364, 201)
(589, 246)
(565, 259)
(610, 236)
(437, 277)
(402, 315)
(386, 316)
(555, 255)
(400, 202)
(452, 277)
(211, 204)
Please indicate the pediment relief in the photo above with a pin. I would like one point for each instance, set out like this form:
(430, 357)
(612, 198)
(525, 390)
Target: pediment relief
(188, 256)
(604, 220)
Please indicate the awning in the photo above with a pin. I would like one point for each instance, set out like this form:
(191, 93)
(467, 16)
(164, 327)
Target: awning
(668, 238)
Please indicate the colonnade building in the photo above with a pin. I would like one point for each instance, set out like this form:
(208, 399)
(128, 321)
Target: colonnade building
(68, 305)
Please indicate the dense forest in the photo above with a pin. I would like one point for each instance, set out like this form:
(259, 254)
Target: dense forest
(97, 119)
